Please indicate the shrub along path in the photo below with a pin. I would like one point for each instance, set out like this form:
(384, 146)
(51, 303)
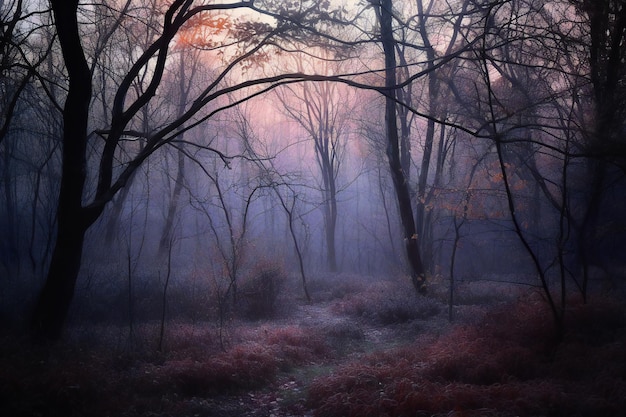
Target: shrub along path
(345, 332)
(256, 368)
(503, 361)
(373, 352)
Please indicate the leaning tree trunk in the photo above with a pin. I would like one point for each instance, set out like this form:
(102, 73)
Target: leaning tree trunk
(393, 151)
(56, 296)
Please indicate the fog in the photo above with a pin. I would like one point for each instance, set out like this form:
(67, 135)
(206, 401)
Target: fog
(303, 208)
(231, 149)
(264, 156)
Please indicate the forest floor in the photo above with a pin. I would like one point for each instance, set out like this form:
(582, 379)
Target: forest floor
(347, 337)
(371, 349)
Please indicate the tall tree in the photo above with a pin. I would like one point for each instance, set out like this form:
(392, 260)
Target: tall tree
(322, 109)
(606, 52)
(185, 82)
(55, 298)
(385, 17)
(249, 43)
(429, 20)
(22, 60)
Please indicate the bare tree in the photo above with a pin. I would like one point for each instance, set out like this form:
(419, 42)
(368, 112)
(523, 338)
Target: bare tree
(187, 78)
(429, 20)
(322, 110)
(605, 39)
(251, 42)
(521, 104)
(385, 15)
(24, 53)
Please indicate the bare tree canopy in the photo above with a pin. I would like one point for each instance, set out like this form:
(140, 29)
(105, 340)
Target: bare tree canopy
(424, 124)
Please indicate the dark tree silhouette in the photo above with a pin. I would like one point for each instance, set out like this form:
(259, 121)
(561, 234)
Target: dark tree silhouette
(74, 216)
(72, 223)
(385, 15)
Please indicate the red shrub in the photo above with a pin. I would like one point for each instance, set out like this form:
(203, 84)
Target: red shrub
(247, 365)
(504, 366)
(296, 345)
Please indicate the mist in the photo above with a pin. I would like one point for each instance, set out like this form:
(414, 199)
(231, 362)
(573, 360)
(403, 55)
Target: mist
(312, 209)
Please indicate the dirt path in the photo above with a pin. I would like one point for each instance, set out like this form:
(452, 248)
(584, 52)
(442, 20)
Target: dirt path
(348, 338)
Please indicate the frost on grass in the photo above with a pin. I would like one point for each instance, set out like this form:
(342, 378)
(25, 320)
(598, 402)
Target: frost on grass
(505, 366)
(386, 303)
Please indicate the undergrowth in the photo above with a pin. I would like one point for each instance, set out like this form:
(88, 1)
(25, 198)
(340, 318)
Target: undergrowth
(503, 361)
(386, 303)
(67, 381)
(507, 365)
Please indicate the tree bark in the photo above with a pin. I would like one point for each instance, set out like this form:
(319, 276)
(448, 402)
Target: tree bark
(56, 296)
(607, 31)
(393, 151)
(172, 210)
(325, 150)
(331, 226)
(422, 219)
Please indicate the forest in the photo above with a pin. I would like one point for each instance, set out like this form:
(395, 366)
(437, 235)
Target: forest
(325, 208)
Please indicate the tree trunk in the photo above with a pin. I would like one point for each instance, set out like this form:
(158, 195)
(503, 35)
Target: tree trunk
(607, 24)
(422, 218)
(289, 212)
(331, 226)
(393, 151)
(56, 296)
(330, 209)
(9, 242)
(172, 211)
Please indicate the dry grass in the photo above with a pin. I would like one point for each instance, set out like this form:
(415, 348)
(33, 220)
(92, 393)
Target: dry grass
(502, 362)
(386, 302)
(505, 366)
(67, 381)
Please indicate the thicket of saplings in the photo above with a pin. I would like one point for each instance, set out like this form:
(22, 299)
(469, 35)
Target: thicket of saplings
(262, 291)
(259, 292)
